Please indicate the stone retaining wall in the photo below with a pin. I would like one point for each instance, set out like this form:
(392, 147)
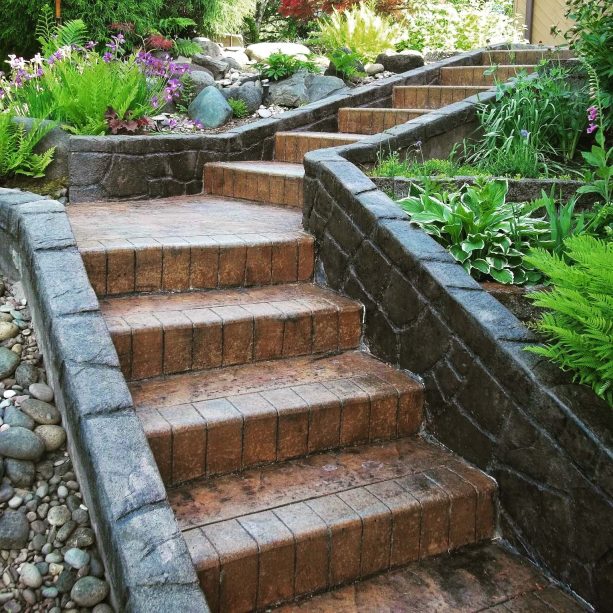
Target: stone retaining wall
(146, 558)
(122, 167)
(546, 441)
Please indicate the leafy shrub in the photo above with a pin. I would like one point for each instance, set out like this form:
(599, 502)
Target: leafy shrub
(360, 29)
(280, 66)
(347, 65)
(307, 10)
(17, 145)
(578, 326)
(239, 108)
(481, 230)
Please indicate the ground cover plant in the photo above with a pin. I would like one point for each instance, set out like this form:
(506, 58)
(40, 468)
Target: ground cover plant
(280, 66)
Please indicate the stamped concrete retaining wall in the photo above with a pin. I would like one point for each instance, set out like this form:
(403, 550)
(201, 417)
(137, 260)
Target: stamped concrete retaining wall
(121, 167)
(546, 441)
(145, 555)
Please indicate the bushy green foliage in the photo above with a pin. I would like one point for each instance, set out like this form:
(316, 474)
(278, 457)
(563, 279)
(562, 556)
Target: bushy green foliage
(481, 230)
(361, 29)
(346, 63)
(280, 66)
(51, 36)
(239, 108)
(393, 166)
(17, 145)
(578, 325)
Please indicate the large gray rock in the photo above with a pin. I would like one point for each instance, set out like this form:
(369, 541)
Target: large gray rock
(89, 591)
(208, 47)
(14, 530)
(26, 374)
(238, 55)
(8, 362)
(304, 87)
(217, 67)
(210, 108)
(20, 472)
(201, 79)
(262, 51)
(400, 62)
(250, 93)
(41, 412)
(21, 444)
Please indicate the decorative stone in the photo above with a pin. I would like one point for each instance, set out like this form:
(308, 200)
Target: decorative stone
(81, 537)
(218, 67)
(238, 55)
(30, 575)
(209, 47)
(210, 108)
(6, 492)
(89, 591)
(41, 391)
(21, 444)
(262, 51)
(15, 417)
(373, 69)
(77, 558)
(52, 436)
(201, 79)
(304, 87)
(8, 362)
(41, 412)
(250, 93)
(400, 62)
(20, 472)
(14, 530)
(59, 515)
(8, 330)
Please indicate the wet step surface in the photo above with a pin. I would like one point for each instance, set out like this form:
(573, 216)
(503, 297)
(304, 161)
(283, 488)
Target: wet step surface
(477, 578)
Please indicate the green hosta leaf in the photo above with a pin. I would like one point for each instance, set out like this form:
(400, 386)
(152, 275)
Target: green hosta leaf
(471, 245)
(502, 276)
(481, 265)
(495, 262)
(457, 253)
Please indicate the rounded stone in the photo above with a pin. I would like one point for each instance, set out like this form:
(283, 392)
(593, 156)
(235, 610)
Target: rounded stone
(102, 608)
(41, 412)
(8, 362)
(30, 575)
(52, 436)
(14, 530)
(41, 391)
(50, 592)
(8, 330)
(15, 417)
(6, 492)
(81, 537)
(89, 591)
(21, 444)
(65, 580)
(26, 374)
(77, 558)
(59, 515)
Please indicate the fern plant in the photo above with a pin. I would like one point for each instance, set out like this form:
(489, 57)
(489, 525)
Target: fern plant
(52, 36)
(578, 324)
(17, 145)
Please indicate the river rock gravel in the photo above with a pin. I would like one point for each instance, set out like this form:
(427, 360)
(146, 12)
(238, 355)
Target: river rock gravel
(48, 555)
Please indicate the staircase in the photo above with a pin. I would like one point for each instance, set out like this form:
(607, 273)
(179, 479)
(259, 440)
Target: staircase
(292, 457)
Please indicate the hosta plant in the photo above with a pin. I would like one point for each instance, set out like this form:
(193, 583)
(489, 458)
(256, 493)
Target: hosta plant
(578, 323)
(280, 66)
(481, 230)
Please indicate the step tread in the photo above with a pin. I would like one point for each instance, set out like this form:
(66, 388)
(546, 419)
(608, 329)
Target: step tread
(311, 524)
(383, 110)
(479, 578)
(285, 169)
(427, 87)
(324, 135)
(481, 67)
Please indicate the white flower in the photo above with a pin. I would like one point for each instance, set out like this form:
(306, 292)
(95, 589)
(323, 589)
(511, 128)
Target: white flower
(16, 62)
(37, 59)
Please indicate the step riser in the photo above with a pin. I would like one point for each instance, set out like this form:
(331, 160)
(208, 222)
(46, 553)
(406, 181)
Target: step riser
(204, 338)
(431, 97)
(523, 56)
(183, 267)
(274, 556)
(293, 147)
(475, 75)
(234, 433)
(373, 121)
(256, 186)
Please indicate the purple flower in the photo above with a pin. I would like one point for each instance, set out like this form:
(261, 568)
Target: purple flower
(592, 113)
(592, 128)
(155, 101)
(524, 133)
(90, 45)
(107, 57)
(2, 94)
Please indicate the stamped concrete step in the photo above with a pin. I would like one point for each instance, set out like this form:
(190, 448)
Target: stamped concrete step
(292, 146)
(524, 56)
(197, 242)
(480, 75)
(432, 96)
(269, 182)
(373, 121)
(163, 334)
(232, 418)
(483, 577)
(269, 535)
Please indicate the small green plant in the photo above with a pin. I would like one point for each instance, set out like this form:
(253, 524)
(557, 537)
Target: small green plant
(393, 166)
(52, 36)
(239, 108)
(486, 234)
(17, 145)
(280, 66)
(578, 324)
(359, 28)
(346, 64)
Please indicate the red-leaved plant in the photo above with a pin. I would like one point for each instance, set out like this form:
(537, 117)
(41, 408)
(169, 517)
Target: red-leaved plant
(127, 125)
(306, 10)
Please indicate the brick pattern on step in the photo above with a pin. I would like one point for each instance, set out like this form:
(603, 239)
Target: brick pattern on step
(432, 96)
(269, 182)
(280, 420)
(373, 121)
(168, 334)
(354, 525)
(480, 75)
(293, 146)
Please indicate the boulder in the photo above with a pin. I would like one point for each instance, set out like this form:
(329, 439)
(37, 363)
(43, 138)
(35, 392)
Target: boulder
(210, 108)
(231, 62)
(201, 79)
(238, 55)
(250, 93)
(373, 69)
(262, 51)
(400, 62)
(304, 87)
(210, 48)
(217, 67)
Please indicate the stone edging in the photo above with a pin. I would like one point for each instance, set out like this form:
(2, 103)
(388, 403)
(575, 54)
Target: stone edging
(122, 167)
(546, 441)
(145, 555)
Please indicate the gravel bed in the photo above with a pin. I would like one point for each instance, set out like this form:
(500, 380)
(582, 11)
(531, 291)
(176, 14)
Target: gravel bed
(48, 555)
